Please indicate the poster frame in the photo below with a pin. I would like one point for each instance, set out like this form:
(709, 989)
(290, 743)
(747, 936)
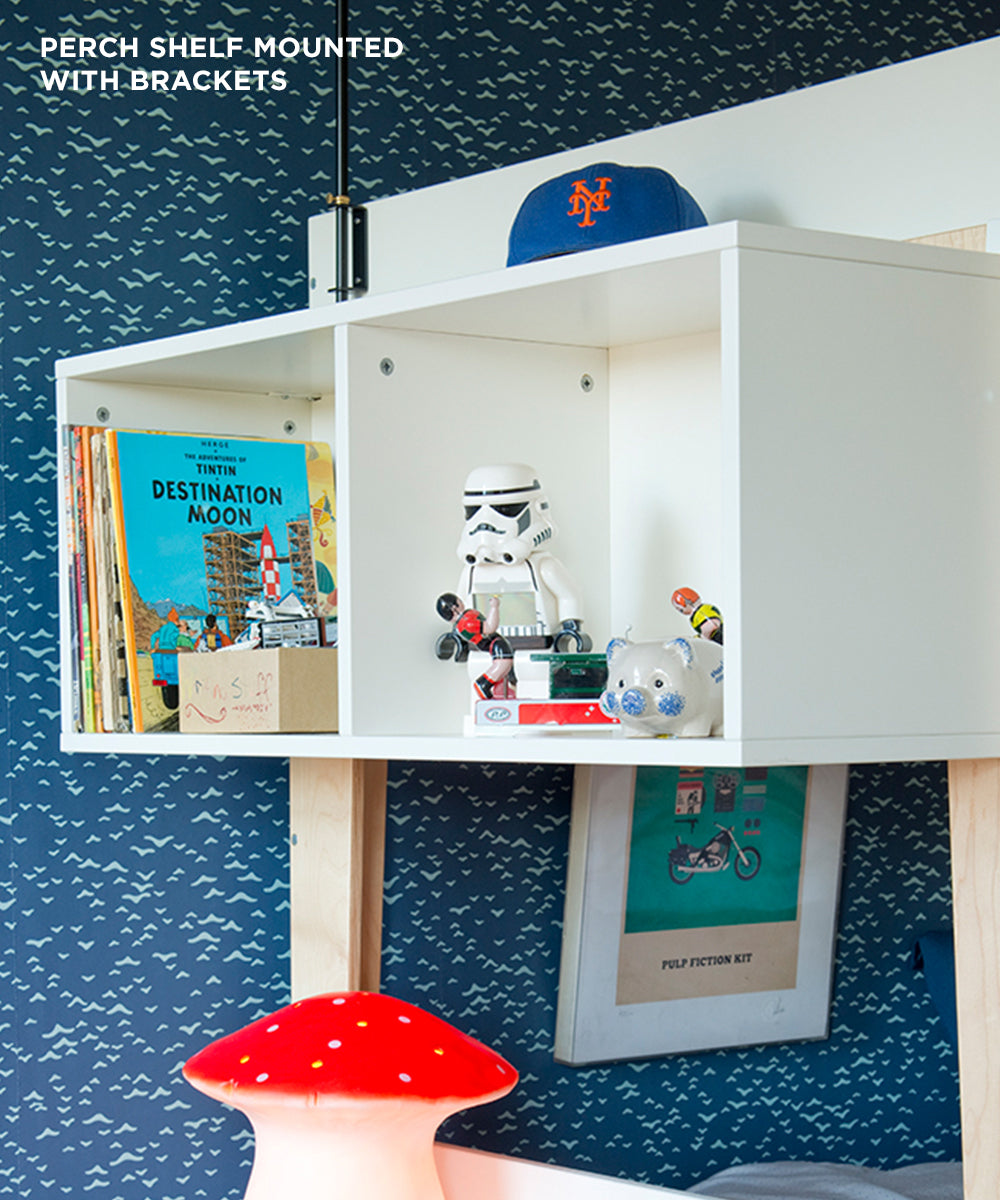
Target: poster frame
(592, 1026)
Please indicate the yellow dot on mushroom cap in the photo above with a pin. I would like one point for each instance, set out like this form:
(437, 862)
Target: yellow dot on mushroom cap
(245, 1058)
(362, 1024)
(438, 1050)
(317, 1063)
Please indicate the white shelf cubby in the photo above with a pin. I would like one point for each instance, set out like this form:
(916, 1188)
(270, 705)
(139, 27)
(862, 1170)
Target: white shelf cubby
(803, 426)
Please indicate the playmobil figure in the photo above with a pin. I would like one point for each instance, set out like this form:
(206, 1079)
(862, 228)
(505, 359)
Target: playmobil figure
(471, 630)
(503, 551)
(706, 620)
(665, 689)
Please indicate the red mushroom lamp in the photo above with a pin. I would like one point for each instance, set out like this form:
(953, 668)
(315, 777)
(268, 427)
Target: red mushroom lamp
(345, 1091)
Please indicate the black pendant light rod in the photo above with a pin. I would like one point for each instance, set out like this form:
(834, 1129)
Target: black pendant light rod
(351, 266)
(342, 200)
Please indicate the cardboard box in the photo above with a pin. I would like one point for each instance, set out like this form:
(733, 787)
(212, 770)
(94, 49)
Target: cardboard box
(284, 690)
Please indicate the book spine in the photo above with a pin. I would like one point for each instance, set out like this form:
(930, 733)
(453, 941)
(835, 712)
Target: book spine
(94, 627)
(125, 590)
(113, 681)
(68, 442)
(84, 550)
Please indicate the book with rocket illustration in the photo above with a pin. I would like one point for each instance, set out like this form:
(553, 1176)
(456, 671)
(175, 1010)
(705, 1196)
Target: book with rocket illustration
(205, 527)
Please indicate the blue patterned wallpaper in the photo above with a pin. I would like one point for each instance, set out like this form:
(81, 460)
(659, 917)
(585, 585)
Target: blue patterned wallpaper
(143, 901)
(473, 920)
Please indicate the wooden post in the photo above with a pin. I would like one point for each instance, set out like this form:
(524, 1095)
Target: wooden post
(337, 825)
(974, 789)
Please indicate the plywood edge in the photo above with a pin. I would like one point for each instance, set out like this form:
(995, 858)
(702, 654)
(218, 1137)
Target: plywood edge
(974, 789)
(972, 237)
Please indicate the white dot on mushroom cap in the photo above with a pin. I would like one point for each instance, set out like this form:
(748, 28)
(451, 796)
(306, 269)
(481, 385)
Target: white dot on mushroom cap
(339, 1000)
(335, 1044)
(271, 1028)
(262, 1077)
(405, 1078)
(405, 1020)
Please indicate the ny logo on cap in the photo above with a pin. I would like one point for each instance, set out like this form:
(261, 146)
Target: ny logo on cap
(583, 200)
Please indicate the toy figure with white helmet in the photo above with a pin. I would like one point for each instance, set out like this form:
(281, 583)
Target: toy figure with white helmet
(504, 552)
(515, 600)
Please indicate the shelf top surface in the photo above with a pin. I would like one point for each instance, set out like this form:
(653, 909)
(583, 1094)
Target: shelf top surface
(630, 293)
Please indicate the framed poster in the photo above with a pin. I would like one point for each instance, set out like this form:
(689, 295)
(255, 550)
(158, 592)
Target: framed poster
(701, 909)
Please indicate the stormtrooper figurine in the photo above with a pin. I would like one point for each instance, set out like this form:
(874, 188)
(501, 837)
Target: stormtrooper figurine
(503, 550)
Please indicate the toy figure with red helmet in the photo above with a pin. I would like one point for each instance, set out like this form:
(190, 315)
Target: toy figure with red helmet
(706, 620)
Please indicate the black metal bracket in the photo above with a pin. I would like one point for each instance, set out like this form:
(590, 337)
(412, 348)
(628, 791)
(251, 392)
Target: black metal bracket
(359, 248)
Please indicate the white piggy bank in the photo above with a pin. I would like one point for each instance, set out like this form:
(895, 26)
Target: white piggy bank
(665, 689)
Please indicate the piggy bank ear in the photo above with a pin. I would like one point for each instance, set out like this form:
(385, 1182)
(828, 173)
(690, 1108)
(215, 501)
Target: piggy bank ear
(615, 647)
(682, 647)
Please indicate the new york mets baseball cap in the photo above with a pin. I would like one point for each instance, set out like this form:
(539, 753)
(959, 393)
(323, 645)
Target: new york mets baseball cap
(599, 205)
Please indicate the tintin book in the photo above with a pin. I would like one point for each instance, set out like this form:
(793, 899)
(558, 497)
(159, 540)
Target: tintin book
(206, 527)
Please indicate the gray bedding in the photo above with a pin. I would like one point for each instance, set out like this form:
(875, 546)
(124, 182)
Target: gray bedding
(834, 1181)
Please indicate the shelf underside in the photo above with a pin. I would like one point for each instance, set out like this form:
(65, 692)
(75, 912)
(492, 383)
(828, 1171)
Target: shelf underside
(548, 748)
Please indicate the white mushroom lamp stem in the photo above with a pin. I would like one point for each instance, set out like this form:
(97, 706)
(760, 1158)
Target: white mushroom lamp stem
(345, 1092)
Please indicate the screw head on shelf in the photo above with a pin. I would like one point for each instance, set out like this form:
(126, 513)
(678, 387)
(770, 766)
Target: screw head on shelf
(387, 366)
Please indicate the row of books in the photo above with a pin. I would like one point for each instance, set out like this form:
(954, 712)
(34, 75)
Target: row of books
(176, 543)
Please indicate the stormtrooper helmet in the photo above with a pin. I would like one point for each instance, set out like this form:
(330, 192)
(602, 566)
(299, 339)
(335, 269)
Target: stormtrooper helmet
(506, 515)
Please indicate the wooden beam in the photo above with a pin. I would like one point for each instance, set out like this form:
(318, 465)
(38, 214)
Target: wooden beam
(974, 790)
(337, 826)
